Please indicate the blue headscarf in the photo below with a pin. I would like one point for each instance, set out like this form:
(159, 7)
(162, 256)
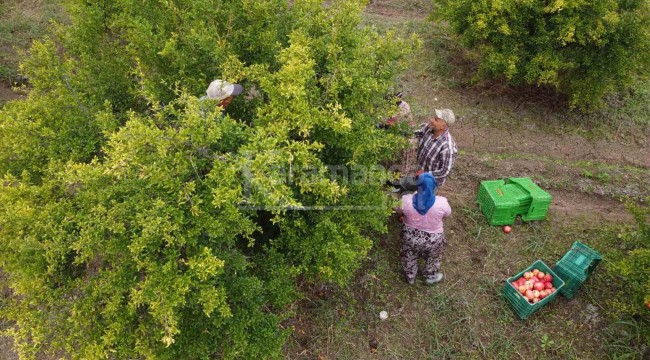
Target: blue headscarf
(425, 196)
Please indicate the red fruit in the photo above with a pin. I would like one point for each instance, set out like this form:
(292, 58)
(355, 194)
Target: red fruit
(507, 229)
(540, 275)
(548, 285)
(535, 293)
(647, 304)
(522, 289)
(529, 294)
(535, 300)
(535, 271)
(521, 281)
(539, 286)
(548, 278)
(529, 285)
(528, 275)
(542, 294)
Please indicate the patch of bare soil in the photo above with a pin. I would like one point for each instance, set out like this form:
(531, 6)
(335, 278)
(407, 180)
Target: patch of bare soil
(6, 349)
(396, 11)
(531, 140)
(7, 93)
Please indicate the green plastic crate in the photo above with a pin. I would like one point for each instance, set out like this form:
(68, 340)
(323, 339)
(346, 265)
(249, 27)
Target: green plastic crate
(540, 199)
(496, 204)
(576, 266)
(519, 304)
(520, 195)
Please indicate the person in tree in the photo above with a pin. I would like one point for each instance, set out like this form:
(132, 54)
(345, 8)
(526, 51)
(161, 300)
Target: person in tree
(423, 234)
(221, 93)
(403, 114)
(436, 152)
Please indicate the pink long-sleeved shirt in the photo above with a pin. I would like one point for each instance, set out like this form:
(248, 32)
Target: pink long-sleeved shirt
(431, 221)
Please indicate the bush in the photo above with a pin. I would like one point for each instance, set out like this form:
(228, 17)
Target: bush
(633, 265)
(135, 225)
(629, 270)
(585, 49)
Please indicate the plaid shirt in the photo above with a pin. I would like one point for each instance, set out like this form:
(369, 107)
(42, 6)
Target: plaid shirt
(436, 155)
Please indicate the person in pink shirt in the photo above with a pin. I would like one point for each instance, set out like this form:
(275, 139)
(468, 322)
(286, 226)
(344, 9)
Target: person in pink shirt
(423, 234)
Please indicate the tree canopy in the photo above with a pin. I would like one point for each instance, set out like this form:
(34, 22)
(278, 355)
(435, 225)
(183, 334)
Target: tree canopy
(585, 49)
(134, 224)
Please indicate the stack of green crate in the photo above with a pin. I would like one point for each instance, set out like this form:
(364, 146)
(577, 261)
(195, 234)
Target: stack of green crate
(496, 203)
(575, 266)
(520, 305)
(540, 200)
(501, 202)
(516, 192)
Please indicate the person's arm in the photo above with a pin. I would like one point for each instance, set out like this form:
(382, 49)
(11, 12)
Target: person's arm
(446, 208)
(443, 168)
(420, 132)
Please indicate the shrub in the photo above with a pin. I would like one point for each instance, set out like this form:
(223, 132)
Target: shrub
(585, 49)
(633, 264)
(135, 225)
(630, 267)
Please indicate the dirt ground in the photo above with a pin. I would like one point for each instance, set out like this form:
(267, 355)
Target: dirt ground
(7, 93)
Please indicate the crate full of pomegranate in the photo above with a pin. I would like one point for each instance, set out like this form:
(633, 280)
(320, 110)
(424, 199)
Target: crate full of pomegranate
(532, 289)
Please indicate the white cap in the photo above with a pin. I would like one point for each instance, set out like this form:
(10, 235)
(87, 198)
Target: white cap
(446, 115)
(221, 89)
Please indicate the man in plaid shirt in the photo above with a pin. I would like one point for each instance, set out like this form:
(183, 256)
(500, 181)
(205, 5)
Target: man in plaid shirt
(436, 151)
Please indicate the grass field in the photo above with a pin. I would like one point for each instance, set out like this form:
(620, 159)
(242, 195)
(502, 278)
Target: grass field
(588, 162)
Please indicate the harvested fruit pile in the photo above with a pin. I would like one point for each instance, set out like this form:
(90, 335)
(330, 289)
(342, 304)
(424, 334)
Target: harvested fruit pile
(534, 285)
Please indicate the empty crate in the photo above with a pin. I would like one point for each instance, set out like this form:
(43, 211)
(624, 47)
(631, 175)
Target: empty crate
(575, 266)
(502, 202)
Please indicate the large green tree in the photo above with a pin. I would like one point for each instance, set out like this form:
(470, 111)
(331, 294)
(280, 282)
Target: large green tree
(585, 49)
(133, 224)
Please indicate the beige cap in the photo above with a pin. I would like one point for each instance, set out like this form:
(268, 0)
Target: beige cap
(446, 115)
(220, 89)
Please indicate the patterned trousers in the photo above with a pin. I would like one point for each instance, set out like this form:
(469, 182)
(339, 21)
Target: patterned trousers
(421, 244)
